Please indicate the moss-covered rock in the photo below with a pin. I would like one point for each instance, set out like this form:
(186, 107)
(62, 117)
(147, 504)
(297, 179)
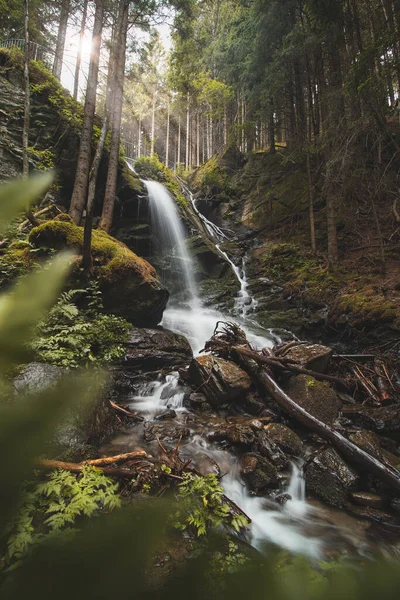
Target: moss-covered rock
(129, 283)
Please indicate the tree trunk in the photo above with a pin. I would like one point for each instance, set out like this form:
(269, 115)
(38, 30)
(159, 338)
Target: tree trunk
(78, 199)
(87, 235)
(139, 138)
(27, 108)
(167, 140)
(60, 45)
(311, 204)
(187, 132)
(113, 160)
(79, 55)
(271, 126)
(179, 141)
(153, 119)
(331, 229)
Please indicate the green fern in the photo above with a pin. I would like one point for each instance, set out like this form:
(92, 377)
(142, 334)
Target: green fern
(56, 504)
(202, 505)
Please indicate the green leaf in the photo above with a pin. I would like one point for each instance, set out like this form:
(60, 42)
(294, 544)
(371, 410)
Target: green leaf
(18, 195)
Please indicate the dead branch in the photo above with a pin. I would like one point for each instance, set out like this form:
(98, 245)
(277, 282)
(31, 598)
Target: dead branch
(109, 460)
(125, 412)
(49, 465)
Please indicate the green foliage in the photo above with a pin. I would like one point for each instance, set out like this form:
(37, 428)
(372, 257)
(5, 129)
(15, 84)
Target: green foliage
(44, 158)
(56, 504)
(150, 167)
(75, 332)
(201, 505)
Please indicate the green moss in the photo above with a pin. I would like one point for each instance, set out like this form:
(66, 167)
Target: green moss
(212, 180)
(16, 261)
(112, 259)
(150, 167)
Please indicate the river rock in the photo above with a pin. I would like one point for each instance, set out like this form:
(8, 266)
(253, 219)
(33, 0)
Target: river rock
(368, 499)
(329, 478)
(367, 441)
(316, 397)
(164, 431)
(220, 381)
(235, 435)
(385, 419)
(77, 428)
(285, 438)
(269, 449)
(314, 356)
(258, 472)
(154, 349)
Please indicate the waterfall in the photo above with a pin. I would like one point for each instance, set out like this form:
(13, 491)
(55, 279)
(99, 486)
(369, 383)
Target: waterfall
(170, 232)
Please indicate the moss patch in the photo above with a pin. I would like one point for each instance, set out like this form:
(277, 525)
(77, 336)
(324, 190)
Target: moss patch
(150, 167)
(112, 259)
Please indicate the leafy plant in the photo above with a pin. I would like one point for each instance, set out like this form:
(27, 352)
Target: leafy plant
(56, 504)
(202, 505)
(72, 336)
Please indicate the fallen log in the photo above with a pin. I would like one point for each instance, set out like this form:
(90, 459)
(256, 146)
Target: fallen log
(347, 449)
(49, 465)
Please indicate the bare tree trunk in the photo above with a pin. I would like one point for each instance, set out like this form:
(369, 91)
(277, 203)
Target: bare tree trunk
(187, 132)
(167, 140)
(87, 235)
(311, 204)
(331, 229)
(179, 140)
(27, 103)
(113, 160)
(78, 199)
(139, 138)
(153, 119)
(27, 108)
(79, 55)
(198, 139)
(60, 45)
(271, 127)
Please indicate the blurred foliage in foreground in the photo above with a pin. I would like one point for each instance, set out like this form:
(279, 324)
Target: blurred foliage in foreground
(115, 554)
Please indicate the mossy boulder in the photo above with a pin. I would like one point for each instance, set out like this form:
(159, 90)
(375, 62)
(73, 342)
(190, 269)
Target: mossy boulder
(316, 397)
(221, 381)
(129, 283)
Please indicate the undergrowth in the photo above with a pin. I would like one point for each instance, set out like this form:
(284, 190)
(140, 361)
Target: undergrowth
(76, 333)
(55, 505)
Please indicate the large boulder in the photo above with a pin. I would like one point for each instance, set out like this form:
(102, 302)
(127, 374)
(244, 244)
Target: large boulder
(385, 419)
(316, 397)
(154, 349)
(78, 428)
(233, 435)
(314, 356)
(219, 380)
(164, 431)
(258, 472)
(129, 283)
(330, 479)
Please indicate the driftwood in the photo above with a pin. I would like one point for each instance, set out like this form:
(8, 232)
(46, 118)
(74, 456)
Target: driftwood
(347, 449)
(224, 342)
(109, 460)
(48, 465)
(125, 412)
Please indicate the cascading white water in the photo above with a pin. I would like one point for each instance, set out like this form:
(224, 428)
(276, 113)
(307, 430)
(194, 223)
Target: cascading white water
(188, 317)
(154, 397)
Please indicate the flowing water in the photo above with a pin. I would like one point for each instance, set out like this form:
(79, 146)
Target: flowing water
(295, 525)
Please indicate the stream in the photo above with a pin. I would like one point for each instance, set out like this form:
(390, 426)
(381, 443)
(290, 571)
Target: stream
(297, 525)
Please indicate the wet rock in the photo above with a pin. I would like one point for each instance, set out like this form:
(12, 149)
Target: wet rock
(368, 499)
(373, 514)
(270, 450)
(164, 431)
(367, 441)
(395, 504)
(258, 472)
(168, 414)
(37, 377)
(285, 438)
(78, 427)
(196, 400)
(314, 357)
(385, 419)
(253, 405)
(154, 349)
(220, 381)
(283, 498)
(233, 435)
(316, 397)
(329, 478)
